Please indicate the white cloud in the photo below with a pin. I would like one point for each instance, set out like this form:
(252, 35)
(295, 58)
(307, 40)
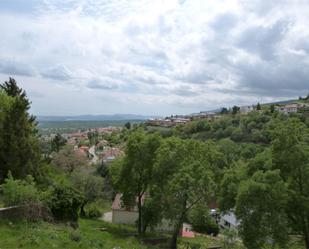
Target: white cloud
(163, 56)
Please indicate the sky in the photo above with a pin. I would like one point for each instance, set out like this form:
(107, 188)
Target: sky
(154, 57)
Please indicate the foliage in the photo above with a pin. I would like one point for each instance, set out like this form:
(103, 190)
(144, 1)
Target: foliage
(19, 192)
(93, 211)
(183, 173)
(133, 174)
(201, 220)
(57, 142)
(260, 205)
(64, 201)
(90, 186)
(69, 160)
(19, 151)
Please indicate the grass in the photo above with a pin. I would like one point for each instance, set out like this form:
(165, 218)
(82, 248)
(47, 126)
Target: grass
(44, 235)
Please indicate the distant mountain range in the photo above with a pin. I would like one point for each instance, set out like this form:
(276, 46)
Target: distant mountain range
(122, 117)
(113, 117)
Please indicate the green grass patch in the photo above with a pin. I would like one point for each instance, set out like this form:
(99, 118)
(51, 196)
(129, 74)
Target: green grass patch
(45, 235)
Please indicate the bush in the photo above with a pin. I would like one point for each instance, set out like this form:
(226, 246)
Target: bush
(64, 201)
(75, 235)
(93, 211)
(19, 192)
(202, 222)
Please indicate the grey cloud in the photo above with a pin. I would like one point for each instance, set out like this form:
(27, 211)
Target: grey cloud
(274, 79)
(184, 91)
(16, 68)
(59, 72)
(224, 22)
(102, 84)
(263, 41)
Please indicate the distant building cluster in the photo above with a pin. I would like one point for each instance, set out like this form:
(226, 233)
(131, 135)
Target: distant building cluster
(291, 108)
(181, 119)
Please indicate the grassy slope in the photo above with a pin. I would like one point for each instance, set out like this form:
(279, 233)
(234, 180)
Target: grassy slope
(14, 235)
(44, 235)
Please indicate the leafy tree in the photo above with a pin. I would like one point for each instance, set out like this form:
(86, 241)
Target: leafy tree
(260, 205)
(64, 201)
(93, 137)
(19, 150)
(134, 171)
(224, 110)
(229, 186)
(258, 107)
(201, 220)
(235, 109)
(19, 192)
(90, 186)
(127, 125)
(57, 142)
(69, 160)
(272, 108)
(183, 173)
(290, 152)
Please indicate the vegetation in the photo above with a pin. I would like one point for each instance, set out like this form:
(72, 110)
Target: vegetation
(255, 165)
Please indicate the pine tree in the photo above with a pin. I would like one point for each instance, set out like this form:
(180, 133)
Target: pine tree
(19, 150)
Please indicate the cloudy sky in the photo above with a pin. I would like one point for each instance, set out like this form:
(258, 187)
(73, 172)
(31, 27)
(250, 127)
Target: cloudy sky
(154, 56)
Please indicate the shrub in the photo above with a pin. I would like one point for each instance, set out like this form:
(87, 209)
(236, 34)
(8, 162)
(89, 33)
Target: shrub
(19, 192)
(93, 211)
(75, 235)
(64, 201)
(202, 222)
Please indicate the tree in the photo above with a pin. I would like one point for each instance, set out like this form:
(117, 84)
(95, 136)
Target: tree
(69, 160)
(19, 150)
(19, 192)
(57, 142)
(127, 125)
(134, 171)
(258, 107)
(290, 152)
(93, 137)
(260, 206)
(64, 201)
(90, 186)
(272, 108)
(235, 109)
(202, 221)
(183, 173)
(224, 110)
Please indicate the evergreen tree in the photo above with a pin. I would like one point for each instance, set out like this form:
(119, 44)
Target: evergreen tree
(258, 107)
(19, 150)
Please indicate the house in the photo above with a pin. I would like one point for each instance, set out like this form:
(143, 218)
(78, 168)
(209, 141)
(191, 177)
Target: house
(291, 108)
(110, 154)
(129, 215)
(229, 221)
(246, 109)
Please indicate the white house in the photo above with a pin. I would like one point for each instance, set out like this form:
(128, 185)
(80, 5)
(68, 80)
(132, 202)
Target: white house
(129, 215)
(246, 109)
(229, 221)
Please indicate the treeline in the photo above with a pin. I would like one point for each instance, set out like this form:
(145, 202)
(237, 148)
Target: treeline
(256, 166)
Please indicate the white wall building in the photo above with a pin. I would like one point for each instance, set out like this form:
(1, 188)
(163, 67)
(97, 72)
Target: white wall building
(229, 221)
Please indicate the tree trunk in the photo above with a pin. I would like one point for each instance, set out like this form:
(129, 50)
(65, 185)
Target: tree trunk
(176, 233)
(82, 210)
(306, 232)
(139, 222)
(306, 237)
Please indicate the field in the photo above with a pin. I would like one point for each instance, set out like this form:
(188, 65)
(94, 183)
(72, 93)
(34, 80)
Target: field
(71, 126)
